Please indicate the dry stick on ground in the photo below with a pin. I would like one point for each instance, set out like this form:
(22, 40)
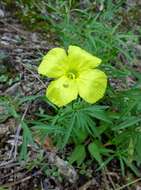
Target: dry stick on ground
(13, 27)
(128, 184)
(13, 172)
(107, 187)
(110, 178)
(93, 182)
(88, 184)
(22, 180)
(13, 152)
(5, 163)
(12, 47)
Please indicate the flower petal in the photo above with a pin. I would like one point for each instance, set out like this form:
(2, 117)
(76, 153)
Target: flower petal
(92, 85)
(81, 59)
(54, 63)
(62, 91)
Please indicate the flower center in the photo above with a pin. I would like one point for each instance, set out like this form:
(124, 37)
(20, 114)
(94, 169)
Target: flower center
(72, 74)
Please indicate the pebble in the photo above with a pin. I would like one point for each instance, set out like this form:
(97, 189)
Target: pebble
(3, 129)
(2, 14)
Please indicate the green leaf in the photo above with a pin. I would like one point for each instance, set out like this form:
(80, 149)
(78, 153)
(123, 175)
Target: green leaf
(94, 151)
(98, 113)
(105, 163)
(3, 78)
(122, 166)
(79, 135)
(133, 168)
(130, 150)
(70, 126)
(48, 128)
(3, 188)
(78, 155)
(128, 123)
(29, 98)
(7, 109)
(138, 147)
(27, 140)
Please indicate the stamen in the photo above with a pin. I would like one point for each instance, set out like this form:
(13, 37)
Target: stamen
(71, 75)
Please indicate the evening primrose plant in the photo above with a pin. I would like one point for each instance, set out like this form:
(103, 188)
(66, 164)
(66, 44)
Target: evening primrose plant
(75, 77)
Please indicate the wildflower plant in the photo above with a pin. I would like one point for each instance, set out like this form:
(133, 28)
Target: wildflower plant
(106, 130)
(76, 77)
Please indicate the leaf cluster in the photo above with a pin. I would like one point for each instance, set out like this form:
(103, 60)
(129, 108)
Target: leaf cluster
(106, 132)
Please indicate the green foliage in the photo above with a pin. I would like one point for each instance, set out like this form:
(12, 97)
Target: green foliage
(76, 118)
(78, 155)
(3, 188)
(88, 27)
(95, 152)
(103, 131)
(27, 140)
(7, 108)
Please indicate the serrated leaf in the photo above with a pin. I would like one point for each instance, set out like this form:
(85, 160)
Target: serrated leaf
(78, 155)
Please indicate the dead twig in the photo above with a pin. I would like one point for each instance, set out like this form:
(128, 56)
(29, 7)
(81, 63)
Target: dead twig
(8, 175)
(13, 27)
(128, 184)
(12, 47)
(22, 180)
(13, 152)
(110, 178)
(5, 163)
(106, 183)
(88, 184)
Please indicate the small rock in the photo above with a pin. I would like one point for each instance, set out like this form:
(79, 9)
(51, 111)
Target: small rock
(2, 14)
(8, 38)
(3, 129)
(4, 43)
(18, 50)
(34, 37)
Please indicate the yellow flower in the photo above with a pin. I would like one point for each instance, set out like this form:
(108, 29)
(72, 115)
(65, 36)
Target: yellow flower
(75, 74)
